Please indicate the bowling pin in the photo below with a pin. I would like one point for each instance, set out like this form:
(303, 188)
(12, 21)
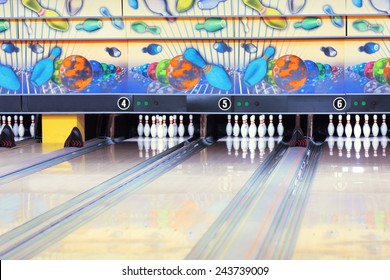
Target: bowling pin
(366, 127)
(375, 127)
(44, 68)
(165, 127)
(244, 22)
(236, 127)
(280, 128)
(262, 129)
(340, 127)
(252, 127)
(153, 128)
(191, 128)
(330, 126)
(348, 127)
(140, 127)
(181, 129)
(215, 75)
(160, 7)
(160, 128)
(90, 25)
(74, 6)
(357, 130)
(3, 119)
(21, 129)
(15, 127)
(9, 120)
(171, 128)
(146, 127)
(175, 125)
(212, 25)
(258, 68)
(117, 22)
(381, 5)
(384, 126)
(8, 78)
(229, 128)
(32, 126)
(244, 126)
(271, 128)
(272, 21)
(53, 19)
(295, 6)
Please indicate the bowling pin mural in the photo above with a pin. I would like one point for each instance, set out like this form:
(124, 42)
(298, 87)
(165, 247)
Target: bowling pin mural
(258, 68)
(161, 8)
(44, 68)
(8, 78)
(272, 21)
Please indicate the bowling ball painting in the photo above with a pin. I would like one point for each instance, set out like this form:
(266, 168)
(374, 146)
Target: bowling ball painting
(56, 74)
(161, 71)
(290, 72)
(368, 70)
(182, 74)
(313, 71)
(321, 71)
(75, 72)
(386, 72)
(97, 71)
(268, 77)
(152, 71)
(378, 70)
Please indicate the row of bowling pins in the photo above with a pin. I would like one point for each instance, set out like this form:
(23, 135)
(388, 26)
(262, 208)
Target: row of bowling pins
(357, 129)
(357, 145)
(18, 128)
(251, 129)
(160, 129)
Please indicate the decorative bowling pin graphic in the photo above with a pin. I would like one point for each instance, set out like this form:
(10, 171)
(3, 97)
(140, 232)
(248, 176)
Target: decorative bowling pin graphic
(160, 7)
(73, 7)
(53, 19)
(181, 129)
(229, 128)
(153, 128)
(384, 126)
(252, 127)
(184, 5)
(90, 25)
(258, 68)
(280, 128)
(15, 127)
(215, 75)
(271, 128)
(330, 126)
(191, 128)
(236, 127)
(21, 129)
(117, 22)
(212, 25)
(357, 130)
(295, 6)
(32, 126)
(133, 4)
(8, 78)
(375, 127)
(244, 22)
(262, 129)
(381, 5)
(244, 126)
(171, 128)
(340, 127)
(44, 68)
(140, 127)
(209, 4)
(366, 127)
(160, 128)
(348, 127)
(146, 127)
(273, 22)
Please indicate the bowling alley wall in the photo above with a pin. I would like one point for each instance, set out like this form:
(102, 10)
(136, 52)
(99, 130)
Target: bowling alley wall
(242, 46)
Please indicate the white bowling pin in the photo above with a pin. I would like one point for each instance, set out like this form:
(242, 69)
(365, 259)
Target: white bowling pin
(348, 127)
(165, 127)
(140, 127)
(244, 126)
(21, 129)
(229, 127)
(236, 127)
(340, 127)
(191, 128)
(375, 127)
(160, 128)
(280, 127)
(153, 128)
(271, 128)
(262, 129)
(15, 128)
(181, 128)
(171, 128)
(357, 130)
(3, 122)
(9, 120)
(252, 127)
(330, 126)
(146, 127)
(384, 126)
(175, 125)
(366, 127)
(32, 126)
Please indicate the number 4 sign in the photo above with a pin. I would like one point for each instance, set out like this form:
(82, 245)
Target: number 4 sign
(123, 103)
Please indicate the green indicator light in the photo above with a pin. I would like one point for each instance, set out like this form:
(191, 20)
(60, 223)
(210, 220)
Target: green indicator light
(246, 104)
(239, 104)
(138, 103)
(355, 103)
(364, 103)
(146, 103)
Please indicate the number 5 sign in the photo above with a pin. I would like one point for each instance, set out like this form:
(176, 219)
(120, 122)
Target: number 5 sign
(224, 103)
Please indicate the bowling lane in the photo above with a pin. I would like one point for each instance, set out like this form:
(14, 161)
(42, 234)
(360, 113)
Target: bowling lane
(348, 210)
(166, 218)
(30, 196)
